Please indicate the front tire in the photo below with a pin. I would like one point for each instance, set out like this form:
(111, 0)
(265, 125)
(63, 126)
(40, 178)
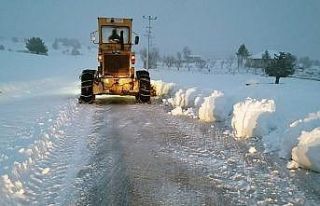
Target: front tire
(87, 79)
(144, 94)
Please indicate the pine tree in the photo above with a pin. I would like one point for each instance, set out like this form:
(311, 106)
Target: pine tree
(266, 55)
(242, 54)
(37, 46)
(281, 66)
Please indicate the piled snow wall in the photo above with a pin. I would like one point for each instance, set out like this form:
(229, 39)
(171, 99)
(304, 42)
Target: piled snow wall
(306, 153)
(250, 117)
(163, 88)
(285, 138)
(246, 115)
(213, 108)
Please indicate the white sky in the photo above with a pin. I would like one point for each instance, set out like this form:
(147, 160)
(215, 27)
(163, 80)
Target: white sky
(209, 27)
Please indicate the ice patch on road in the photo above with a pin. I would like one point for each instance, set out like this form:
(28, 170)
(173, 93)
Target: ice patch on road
(307, 152)
(246, 114)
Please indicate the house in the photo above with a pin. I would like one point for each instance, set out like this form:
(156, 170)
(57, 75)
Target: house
(194, 58)
(257, 61)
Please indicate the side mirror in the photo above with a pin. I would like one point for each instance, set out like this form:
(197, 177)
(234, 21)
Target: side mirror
(93, 37)
(136, 40)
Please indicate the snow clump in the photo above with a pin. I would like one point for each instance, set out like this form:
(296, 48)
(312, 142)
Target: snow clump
(246, 115)
(306, 153)
(184, 98)
(162, 88)
(285, 139)
(212, 108)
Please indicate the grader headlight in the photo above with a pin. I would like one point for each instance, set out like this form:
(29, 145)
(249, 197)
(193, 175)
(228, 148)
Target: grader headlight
(133, 59)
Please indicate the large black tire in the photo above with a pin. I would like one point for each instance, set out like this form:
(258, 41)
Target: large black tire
(87, 79)
(144, 94)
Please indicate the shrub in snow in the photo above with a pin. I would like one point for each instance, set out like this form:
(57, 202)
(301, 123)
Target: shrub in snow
(246, 115)
(306, 153)
(212, 108)
(36, 45)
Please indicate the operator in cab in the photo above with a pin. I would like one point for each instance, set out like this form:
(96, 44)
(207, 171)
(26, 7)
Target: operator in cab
(114, 37)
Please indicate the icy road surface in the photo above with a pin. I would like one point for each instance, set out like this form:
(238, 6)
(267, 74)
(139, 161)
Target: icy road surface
(117, 152)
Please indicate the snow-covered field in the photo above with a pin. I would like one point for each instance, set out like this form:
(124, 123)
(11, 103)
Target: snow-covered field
(252, 105)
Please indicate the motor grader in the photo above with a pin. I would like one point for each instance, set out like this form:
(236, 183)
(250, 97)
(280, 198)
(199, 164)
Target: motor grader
(116, 73)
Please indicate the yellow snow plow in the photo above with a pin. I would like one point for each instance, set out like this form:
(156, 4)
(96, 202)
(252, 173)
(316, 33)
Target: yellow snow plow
(116, 73)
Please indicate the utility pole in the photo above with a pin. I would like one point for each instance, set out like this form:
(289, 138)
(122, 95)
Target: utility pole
(149, 18)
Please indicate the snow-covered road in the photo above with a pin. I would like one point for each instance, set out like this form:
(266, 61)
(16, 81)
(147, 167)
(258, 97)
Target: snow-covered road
(117, 152)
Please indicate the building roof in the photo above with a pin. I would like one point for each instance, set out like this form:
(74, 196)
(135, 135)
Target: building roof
(260, 54)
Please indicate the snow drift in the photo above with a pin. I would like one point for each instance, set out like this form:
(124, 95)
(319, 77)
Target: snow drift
(246, 115)
(212, 108)
(284, 139)
(162, 88)
(306, 153)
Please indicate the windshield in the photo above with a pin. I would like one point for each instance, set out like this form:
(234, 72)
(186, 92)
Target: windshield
(112, 34)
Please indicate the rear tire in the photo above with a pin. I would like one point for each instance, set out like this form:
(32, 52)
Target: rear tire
(87, 79)
(144, 94)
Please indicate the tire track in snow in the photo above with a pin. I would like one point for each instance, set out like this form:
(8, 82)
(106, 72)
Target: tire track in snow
(46, 176)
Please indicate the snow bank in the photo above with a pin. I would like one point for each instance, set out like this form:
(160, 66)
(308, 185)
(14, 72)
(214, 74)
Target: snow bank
(162, 88)
(307, 152)
(246, 115)
(184, 98)
(191, 102)
(213, 109)
(294, 98)
(284, 139)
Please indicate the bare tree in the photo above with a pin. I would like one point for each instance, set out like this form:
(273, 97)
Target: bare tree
(201, 64)
(154, 57)
(186, 52)
(179, 61)
(230, 61)
(169, 61)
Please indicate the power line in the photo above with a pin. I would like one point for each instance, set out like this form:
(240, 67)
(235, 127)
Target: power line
(149, 18)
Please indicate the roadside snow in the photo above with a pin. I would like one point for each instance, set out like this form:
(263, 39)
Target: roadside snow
(162, 88)
(246, 115)
(306, 153)
(212, 108)
(297, 103)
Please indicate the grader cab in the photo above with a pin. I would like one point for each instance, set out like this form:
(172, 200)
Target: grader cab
(116, 73)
